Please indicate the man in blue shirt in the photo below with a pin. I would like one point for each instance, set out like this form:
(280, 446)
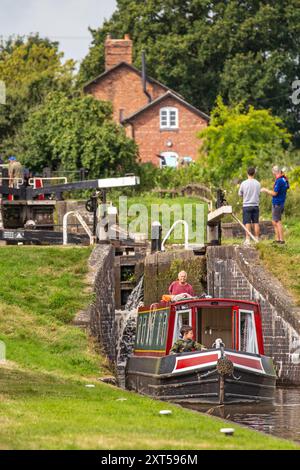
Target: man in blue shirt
(278, 194)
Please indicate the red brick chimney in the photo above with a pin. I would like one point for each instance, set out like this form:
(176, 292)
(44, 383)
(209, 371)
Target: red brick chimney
(117, 50)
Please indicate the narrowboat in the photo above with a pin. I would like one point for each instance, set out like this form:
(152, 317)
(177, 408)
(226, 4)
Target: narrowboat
(232, 368)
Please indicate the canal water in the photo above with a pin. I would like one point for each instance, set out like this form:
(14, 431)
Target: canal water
(281, 419)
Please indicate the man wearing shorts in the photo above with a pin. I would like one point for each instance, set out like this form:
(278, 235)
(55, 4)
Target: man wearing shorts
(250, 191)
(278, 194)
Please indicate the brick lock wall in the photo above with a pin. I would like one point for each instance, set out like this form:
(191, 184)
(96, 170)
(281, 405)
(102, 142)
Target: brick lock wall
(152, 141)
(234, 230)
(123, 88)
(103, 309)
(235, 272)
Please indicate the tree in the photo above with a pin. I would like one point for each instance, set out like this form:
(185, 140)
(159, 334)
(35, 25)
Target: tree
(242, 49)
(74, 132)
(238, 138)
(30, 69)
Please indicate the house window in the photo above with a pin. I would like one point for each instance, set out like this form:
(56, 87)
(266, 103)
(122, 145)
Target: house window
(169, 118)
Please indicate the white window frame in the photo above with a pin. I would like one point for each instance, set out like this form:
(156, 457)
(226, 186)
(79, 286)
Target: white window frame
(254, 325)
(176, 333)
(167, 120)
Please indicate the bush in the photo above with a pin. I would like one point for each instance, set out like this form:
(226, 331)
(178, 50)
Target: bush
(238, 138)
(169, 178)
(73, 133)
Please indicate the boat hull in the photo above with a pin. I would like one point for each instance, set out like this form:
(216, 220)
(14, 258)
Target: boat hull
(194, 377)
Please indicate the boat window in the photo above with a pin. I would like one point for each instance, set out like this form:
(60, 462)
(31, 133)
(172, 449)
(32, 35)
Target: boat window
(142, 330)
(161, 329)
(248, 341)
(182, 318)
(152, 330)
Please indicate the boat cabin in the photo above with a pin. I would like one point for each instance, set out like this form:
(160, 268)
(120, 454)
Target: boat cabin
(236, 322)
(237, 372)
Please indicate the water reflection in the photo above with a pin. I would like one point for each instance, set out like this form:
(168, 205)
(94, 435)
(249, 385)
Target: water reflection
(281, 419)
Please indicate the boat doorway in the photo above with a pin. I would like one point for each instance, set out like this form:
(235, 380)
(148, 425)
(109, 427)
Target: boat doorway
(213, 323)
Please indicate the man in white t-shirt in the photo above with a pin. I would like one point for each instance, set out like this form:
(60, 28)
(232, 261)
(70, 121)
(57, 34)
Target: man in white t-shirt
(250, 192)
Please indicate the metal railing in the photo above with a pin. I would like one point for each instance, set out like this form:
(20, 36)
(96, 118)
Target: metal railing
(82, 222)
(32, 181)
(18, 181)
(186, 234)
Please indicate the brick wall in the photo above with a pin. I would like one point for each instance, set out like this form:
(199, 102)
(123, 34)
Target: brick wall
(103, 310)
(235, 272)
(123, 88)
(152, 141)
(103, 267)
(234, 230)
(117, 50)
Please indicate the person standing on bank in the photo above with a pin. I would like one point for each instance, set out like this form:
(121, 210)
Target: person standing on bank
(250, 192)
(15, 171)
(278, 194)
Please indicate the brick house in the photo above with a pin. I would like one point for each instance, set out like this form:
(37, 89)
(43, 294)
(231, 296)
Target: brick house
(160, 121)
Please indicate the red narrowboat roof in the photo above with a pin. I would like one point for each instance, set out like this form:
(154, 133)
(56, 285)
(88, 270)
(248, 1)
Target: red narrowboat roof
(198, 301)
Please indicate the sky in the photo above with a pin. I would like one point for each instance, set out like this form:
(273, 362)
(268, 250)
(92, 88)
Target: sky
(66, 21)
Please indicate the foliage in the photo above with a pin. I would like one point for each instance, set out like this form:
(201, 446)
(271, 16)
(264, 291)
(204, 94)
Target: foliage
(284, 262)
(241, 50)
(294, 178)
(148, 174)
(73, 133)
(30, 69)
(239, 138)
(41, 291)
(169, 178)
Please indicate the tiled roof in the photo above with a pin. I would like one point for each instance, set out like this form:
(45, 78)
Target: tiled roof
(161, 98)
(131, 67)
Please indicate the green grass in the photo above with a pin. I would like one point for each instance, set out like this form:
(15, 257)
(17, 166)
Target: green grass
(39, 411)
(44, 401)
(140, 218)
(283, 261)
(41, 289)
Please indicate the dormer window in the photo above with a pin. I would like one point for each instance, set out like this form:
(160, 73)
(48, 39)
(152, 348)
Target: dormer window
(169, 118)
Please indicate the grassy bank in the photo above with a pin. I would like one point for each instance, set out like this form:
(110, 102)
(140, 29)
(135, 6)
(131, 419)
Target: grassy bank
(44, 401)
(284, 261)
(41, 289)
(39, 411)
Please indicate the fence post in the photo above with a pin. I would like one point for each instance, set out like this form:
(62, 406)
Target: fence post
(156, 236)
